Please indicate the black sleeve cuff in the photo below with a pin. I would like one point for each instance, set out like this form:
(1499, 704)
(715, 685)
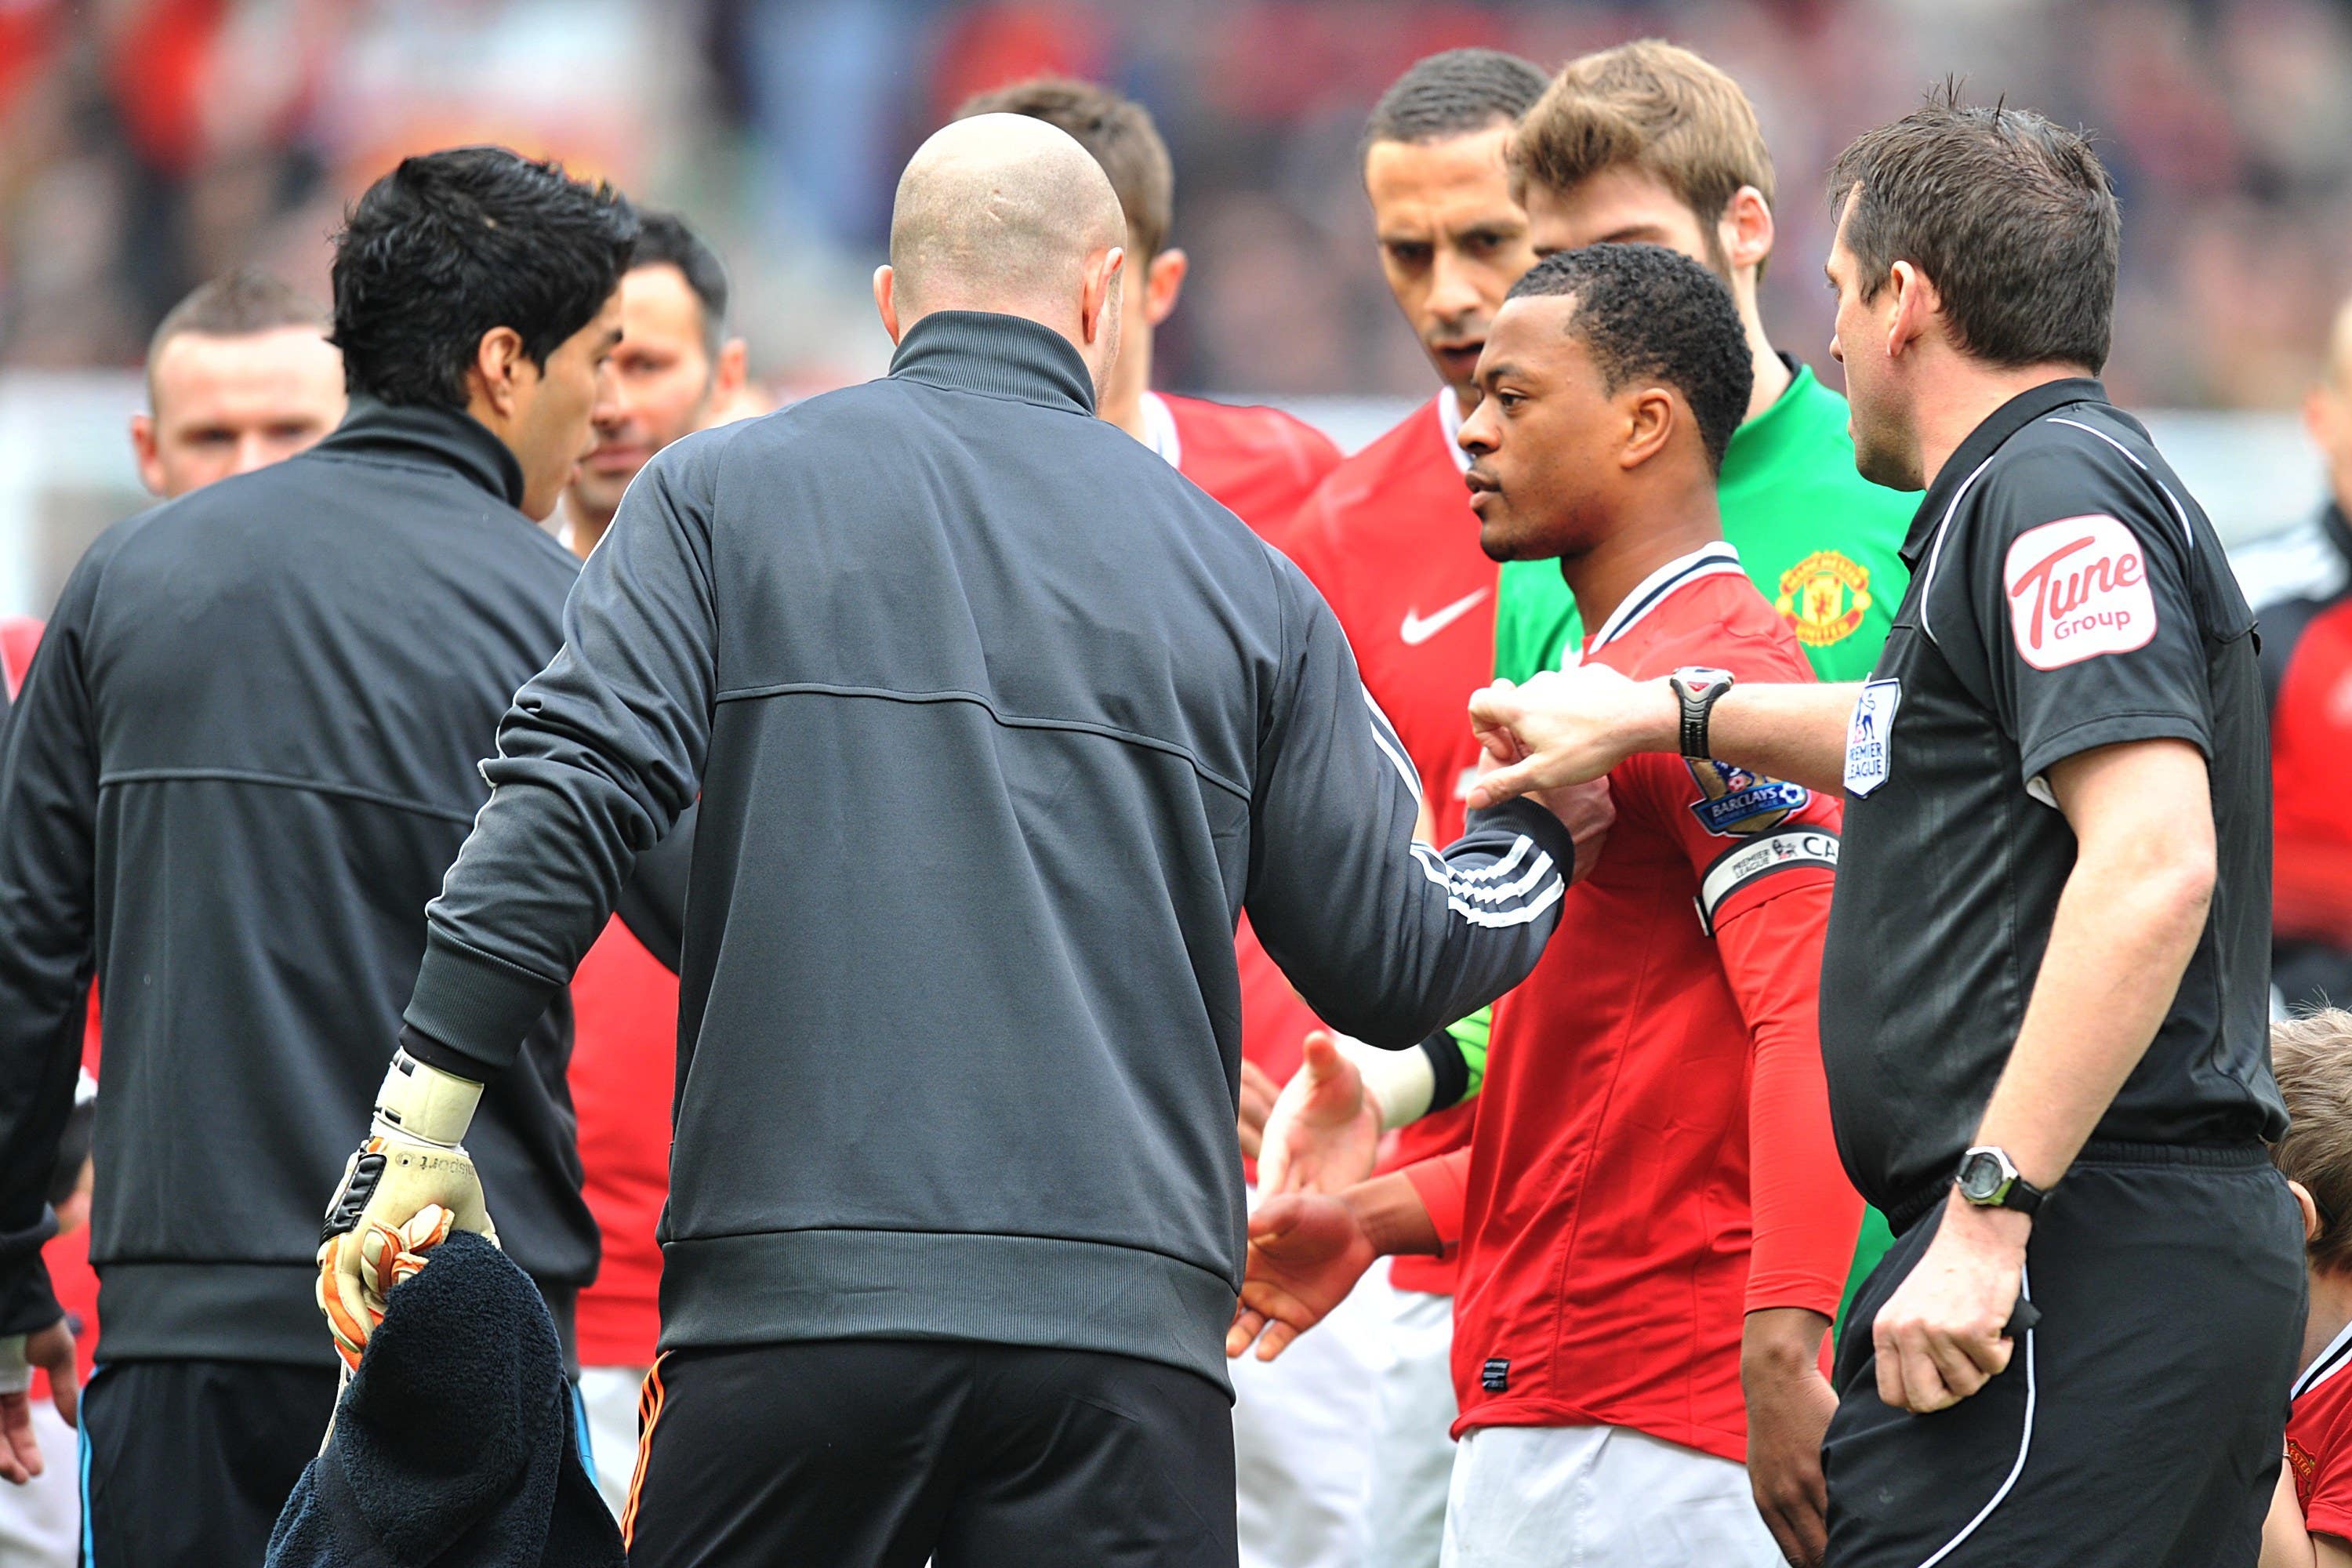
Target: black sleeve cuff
(1451, 1071)
(1523, 815)
(472, 1006)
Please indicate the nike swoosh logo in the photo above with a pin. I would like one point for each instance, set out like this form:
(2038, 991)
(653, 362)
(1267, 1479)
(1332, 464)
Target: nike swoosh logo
(1419, 628)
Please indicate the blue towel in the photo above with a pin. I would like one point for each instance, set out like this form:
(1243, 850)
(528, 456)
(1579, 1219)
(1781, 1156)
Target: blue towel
(455, 1445)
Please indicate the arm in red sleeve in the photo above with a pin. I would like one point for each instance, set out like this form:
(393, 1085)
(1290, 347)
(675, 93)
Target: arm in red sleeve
(1805, 1212)
(1444, 1183)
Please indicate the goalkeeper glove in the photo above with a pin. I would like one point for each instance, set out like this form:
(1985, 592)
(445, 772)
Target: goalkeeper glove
(411, 1160)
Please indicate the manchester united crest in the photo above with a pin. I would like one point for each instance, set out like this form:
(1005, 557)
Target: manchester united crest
(1824, 597)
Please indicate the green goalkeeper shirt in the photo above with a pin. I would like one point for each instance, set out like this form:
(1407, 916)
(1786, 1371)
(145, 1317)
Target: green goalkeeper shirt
(1819, 540)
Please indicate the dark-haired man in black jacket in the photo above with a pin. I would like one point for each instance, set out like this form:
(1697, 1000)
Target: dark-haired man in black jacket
(242, 760)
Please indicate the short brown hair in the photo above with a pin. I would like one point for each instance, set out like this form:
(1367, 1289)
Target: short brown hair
(2312, 1058)
(2013, 218)
(1118, 132)
(1647, 105)
(235, 305)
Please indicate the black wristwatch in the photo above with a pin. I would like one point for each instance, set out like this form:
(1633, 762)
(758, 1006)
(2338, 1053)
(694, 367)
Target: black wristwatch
(1988, 1178)
(1698, 688)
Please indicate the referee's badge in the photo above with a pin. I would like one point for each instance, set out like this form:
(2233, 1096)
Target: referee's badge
(1869, 734)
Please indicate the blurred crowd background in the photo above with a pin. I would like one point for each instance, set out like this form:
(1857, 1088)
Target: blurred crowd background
(147, 144)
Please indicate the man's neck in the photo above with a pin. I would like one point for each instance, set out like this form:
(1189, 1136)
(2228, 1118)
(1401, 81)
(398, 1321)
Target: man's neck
(581, 529)
(1964, 395)
(1772, 372)
(1601, 576)
(1130, 378)
(2331, 1309)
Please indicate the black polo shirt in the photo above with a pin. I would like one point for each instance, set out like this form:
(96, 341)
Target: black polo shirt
(2066, 593)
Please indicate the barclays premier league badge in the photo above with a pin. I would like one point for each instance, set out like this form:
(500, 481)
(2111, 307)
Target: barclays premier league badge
(1869, 734)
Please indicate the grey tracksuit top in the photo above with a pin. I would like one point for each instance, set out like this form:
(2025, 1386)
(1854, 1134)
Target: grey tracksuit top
(243, 758)
(997, 723)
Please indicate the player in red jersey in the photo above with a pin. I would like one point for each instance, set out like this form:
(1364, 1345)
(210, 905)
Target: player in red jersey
(2310, 1522)
(1391, 541)
(1299, 1432)
(1652, 1214)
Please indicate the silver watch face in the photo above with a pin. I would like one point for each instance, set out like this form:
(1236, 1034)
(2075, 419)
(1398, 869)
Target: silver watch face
(1980, 1178)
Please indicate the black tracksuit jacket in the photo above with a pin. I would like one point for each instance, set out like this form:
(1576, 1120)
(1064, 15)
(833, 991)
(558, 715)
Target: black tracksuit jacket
(998, 724)
(242, 760)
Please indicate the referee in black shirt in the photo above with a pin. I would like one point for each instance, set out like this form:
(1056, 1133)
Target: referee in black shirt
(2045, 988)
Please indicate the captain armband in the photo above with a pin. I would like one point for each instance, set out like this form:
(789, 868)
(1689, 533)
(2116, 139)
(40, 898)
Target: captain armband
(1767, 855)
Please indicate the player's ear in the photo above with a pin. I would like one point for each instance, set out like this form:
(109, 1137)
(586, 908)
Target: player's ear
(1650, 421)
(734, 367)
(1746, 230)
(495, 377)
(1914, 304)
(142, 448)
(1099, 286)
(2310, 1208)
(885, 299)
(1163, 280)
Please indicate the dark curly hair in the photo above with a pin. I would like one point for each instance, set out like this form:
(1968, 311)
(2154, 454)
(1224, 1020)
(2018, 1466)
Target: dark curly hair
(451, 244)
(1647, 313)
(1456, 93)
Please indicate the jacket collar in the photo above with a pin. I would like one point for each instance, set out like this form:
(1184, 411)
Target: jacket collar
(1982, 443)
(996, 356)
(427, 435)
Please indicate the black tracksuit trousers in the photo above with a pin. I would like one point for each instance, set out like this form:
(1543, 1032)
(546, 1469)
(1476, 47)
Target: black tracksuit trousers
(887, 1453)
(2140, 1423)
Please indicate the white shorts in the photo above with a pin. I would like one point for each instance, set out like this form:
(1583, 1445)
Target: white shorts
(610, 1393)
(1599, 1497)
(1302, 1439)
(1412, 1441)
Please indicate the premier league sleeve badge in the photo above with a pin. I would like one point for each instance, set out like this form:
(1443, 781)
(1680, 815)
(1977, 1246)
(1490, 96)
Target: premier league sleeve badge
(1869, 734)
(1735, 802)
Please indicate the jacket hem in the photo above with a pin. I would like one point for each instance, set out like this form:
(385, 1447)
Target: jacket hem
(237, 1311)
(779, 1286)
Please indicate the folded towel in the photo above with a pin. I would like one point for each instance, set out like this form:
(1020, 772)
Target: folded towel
(456, 1443)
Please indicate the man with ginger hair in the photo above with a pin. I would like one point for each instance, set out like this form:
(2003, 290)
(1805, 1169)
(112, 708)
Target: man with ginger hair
(994, 735)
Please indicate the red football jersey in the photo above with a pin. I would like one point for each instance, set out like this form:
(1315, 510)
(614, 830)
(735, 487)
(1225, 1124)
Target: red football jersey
(1261, 465)
(2319, 1441)
(1391, 541)
(2310, 725)
(1606, 1211)
(623, 1076)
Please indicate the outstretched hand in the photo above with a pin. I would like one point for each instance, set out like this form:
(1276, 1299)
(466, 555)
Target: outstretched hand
(52, 1351)
(1324, 1132)
(1564, 727)
(1307, 1250)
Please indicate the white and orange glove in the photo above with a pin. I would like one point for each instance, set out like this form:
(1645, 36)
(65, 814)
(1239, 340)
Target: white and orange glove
(409, 1185)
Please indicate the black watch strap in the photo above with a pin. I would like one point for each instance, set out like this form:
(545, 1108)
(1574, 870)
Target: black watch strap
(1697, 688)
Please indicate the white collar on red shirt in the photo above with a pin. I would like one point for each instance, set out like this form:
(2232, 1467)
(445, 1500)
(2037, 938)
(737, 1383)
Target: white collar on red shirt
(1715, 560)
(2325, 1364)
(1160, 420)
(1449, 426)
